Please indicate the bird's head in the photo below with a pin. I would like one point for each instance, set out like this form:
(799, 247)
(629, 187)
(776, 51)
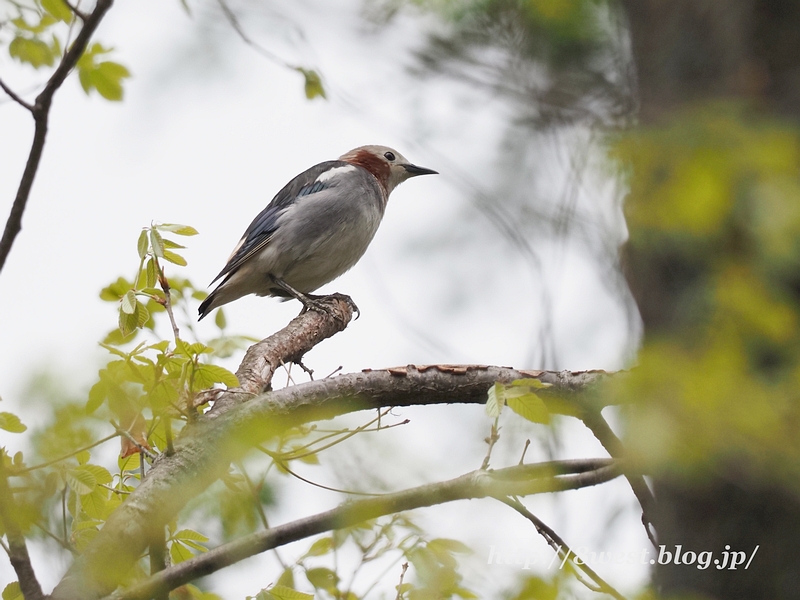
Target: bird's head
(388, 166)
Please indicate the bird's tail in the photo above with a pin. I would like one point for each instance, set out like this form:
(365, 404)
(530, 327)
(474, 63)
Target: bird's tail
(207, 305)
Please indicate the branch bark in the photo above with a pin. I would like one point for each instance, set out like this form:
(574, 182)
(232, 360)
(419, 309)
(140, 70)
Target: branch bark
(41, 112)
(520, 480)
(205, 448)
(17, 549)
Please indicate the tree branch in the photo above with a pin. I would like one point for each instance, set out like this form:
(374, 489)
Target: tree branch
(518, 480)
(17, 550)
(593, 419)
(14, 96)
(41, 111)
(241, 420)
(561, 548)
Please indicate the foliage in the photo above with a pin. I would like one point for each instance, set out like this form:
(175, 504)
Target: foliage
(715, 200)
(41, 31)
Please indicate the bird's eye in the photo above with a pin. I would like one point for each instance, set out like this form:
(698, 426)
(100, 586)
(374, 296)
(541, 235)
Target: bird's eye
(389, 156)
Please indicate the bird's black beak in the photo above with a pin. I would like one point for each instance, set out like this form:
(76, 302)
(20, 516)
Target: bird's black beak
(414, 170)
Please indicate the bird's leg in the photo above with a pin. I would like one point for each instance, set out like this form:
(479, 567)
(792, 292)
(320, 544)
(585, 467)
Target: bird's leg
(312, 302)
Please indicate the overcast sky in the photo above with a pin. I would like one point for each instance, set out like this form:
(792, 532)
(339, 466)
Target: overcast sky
(210, 130)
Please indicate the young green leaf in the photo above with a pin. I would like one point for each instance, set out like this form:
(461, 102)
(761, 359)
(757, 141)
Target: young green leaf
(141, 244)
(58, 9)
(177, 229)
(280, 592)
(129, 302)
(174, 258)
(529, 406)
(495, 400)
(13, 592)
(219, 319)
(157, 243)
(11, 422)
(32, 51)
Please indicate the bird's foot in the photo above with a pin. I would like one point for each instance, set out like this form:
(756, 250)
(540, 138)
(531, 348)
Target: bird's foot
(319, 304)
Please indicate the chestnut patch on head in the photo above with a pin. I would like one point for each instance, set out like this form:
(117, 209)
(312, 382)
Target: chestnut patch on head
(374, 164)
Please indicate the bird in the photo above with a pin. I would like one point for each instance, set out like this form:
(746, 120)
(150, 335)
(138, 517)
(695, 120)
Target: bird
(316, 228)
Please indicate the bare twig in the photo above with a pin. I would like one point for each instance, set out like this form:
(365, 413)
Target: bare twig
(14, 96)
(562, 549)
(594, 420)
(41, 111)
(17, 549)
(517, 480)
(494, 436)
(164, 283)
(70, 455)
(127, 435)
(404, 568)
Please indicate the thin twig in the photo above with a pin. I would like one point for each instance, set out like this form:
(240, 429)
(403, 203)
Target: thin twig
(562, 549)
(17, 549)
(400, 585)
(14, 96)
(126, 434)
(517, 480)
(40, 111)
(494, 436)
(593, 419)
(524, 451)
(164, 283)
(66, 456)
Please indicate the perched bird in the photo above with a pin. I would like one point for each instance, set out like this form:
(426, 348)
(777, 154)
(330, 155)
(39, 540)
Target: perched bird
(315, 228)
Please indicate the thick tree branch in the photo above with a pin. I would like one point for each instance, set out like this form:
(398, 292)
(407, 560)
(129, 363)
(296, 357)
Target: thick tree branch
(520, 480)
(205, 448)
(17, 550)
(41, 111)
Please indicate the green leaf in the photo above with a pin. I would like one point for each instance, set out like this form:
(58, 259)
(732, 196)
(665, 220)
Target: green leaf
(320, 547)
(95, 504)
(142, 245)
(32, 51)
(177, 229)
(83, 457)
(129, 302)
(13, 592)
(179, 553)
(175, 258)
(152, 274)
(58, 9)
(115, 291)
(530, 383)
(280, 592)
(448, 545)
(286, 579)
(495, 400)
(189, 534)
(11, 422)
(97, 395)
(100, 474)
(170, 244)
(322, 578)
(157, 243)
(81, 481)
(105, 77)
(529, 406)
(219, 319)
(127, 323)
(207, 375)
(313, 83)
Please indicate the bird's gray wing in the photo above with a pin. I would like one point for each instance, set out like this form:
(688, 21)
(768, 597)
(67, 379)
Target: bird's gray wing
(264, 225)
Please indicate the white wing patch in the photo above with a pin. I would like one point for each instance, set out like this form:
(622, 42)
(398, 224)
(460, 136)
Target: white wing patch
(335, 172)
